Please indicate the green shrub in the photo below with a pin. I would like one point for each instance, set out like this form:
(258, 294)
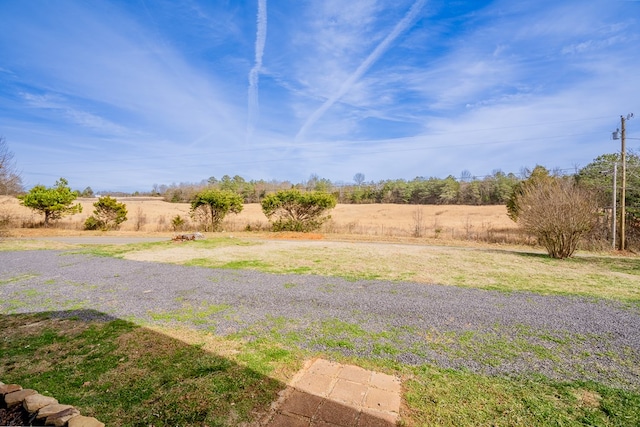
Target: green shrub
(108, 214)
(92, 223)
(209, 207)
(177, 222)
(292, 210)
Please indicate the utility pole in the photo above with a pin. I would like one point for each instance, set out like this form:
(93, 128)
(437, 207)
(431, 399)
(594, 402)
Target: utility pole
(623, 209)
(614, 211)
(623, 159)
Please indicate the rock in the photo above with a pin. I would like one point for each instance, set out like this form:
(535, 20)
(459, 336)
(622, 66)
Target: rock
(60, 419)
(16, 398)
(82, 421)
(188, 236)
(9, 388)
(36, 401)
(19, 402)
(49, 410)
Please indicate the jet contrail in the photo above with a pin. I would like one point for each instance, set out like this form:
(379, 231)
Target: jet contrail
(261, 38)
(373, 57)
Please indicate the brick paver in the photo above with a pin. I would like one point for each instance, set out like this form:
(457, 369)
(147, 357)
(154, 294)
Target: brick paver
(330, 394)
(301, 403)
(349, 393)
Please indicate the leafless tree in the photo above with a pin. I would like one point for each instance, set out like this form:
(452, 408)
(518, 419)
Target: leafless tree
(559, 213)
(10, 180)
(418, 222)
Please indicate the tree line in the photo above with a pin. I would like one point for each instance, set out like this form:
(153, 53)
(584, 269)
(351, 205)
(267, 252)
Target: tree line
(490, 190)
(495, 189)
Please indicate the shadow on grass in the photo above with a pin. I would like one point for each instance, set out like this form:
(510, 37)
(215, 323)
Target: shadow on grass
(125, 374)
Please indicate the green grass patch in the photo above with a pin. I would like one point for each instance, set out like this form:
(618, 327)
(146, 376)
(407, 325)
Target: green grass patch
(118, 251)
(442, 397)
(29, 293)
(298, 270)
(12, 305)
(336, 335)
(217, 242)
(250, 264)
(384, 349)
(198, 315)
(201, 262)
(125, 375)
(17, 279)
(244, 264)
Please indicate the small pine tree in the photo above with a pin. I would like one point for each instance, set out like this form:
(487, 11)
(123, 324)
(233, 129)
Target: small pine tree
(108, 214)
(54, 202)
(177, 222)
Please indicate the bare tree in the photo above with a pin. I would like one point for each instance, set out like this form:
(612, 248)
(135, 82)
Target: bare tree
(10, 180)
(559, 213)
(418, 222)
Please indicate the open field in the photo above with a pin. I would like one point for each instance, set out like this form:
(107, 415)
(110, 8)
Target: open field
(151, 215)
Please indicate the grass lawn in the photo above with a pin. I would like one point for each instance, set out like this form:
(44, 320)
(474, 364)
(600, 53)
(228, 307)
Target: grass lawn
(126, 373)
(503, 269)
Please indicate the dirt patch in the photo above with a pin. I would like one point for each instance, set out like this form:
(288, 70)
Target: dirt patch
(588, 398)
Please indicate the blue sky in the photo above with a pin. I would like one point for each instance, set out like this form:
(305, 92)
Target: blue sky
(121, 95)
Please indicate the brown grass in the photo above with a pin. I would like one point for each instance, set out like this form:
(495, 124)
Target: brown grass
(499, 268)
(153, 215)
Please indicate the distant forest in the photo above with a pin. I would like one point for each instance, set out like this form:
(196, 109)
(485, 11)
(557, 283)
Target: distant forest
(468, 190)
(494, 189)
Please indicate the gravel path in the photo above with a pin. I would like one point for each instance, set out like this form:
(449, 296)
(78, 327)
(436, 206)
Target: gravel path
(483, 331)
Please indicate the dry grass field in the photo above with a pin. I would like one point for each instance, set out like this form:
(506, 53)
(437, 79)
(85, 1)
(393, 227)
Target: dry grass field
(153, 215)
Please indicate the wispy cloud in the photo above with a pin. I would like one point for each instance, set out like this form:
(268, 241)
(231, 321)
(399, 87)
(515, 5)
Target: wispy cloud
(73, 115)
(364, 66)
(261, 38)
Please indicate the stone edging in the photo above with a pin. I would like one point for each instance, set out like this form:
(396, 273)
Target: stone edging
(44, 409)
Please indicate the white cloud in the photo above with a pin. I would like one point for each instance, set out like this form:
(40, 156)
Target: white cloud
(261, 38)
(353, 78)
(73, 115)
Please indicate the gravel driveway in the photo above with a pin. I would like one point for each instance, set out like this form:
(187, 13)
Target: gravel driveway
(482, 331)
